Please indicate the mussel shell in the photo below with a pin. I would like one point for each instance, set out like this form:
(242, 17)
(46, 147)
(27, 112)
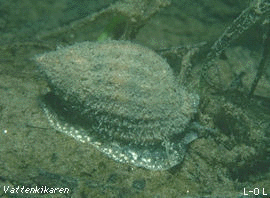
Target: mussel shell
(120, 97)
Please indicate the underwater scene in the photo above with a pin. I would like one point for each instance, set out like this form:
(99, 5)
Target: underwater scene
(135, 98)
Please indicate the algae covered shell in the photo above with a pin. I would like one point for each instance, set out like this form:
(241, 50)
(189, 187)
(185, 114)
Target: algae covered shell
(120, 97)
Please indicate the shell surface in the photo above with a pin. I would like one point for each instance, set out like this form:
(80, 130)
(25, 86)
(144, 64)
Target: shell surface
(121, 98)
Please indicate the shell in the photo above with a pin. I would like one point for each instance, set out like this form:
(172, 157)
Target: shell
(121, 98)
